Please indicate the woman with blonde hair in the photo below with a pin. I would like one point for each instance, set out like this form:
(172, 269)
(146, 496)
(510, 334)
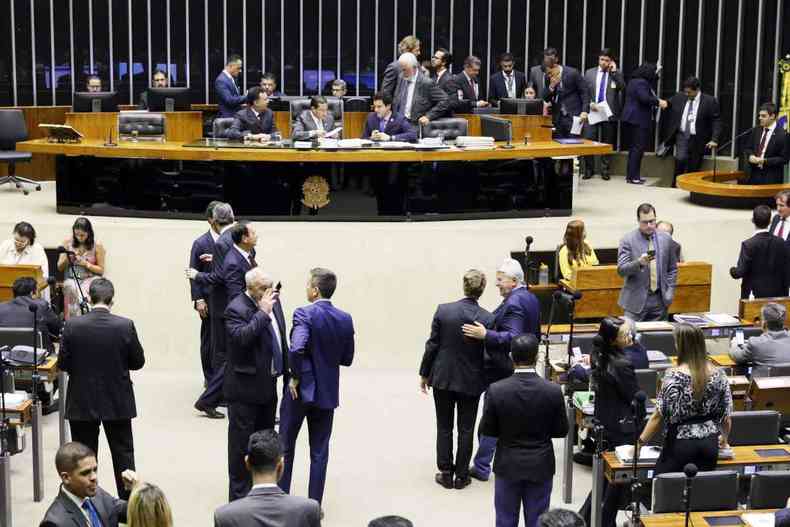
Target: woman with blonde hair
(695, 403)
(148, 507)
(575, 251)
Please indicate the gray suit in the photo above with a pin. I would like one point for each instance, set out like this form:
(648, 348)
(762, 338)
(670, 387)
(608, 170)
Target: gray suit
(304, 124)
(269, 507)
(428, 99)
(606, 131)
(769, 349)
(634, 297)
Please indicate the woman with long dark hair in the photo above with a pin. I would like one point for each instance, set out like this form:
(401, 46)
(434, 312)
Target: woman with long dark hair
(695, 403)
(85, 259)
(640, 104)
(575, 251)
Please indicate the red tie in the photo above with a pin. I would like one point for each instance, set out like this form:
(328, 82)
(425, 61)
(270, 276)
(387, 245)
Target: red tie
(781, 232)
(761, 148)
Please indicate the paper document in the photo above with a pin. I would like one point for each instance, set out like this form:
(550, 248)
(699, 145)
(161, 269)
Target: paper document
(657, 325)
(625, 453)
(576, 129)
(722, 319)
(759, 519)
(353, 143)
(334, 133)
(601, 113)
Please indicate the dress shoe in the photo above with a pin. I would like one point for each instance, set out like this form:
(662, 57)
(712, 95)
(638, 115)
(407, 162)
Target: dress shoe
(605, 177)
(445, 479)
(474, 474)
(587, 175)
(461, 483)
(211, 413)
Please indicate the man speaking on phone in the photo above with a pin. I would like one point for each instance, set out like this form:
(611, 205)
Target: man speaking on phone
(648, 264)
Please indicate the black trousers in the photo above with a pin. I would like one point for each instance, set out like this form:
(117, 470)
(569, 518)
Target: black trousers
(640, 140)
(689, 152)
(676, 454)
(119, 437)
(243, 420)
(446, 404)
(205, 348)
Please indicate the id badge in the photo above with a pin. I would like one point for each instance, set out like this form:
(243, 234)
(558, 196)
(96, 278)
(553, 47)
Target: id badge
(613, 85)
(460, 95)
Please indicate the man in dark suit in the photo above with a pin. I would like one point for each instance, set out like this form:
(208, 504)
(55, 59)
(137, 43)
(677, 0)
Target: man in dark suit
(693, 125)
(440, 62)
(322, 340)
(255, 360)
(17, 313)
(81, 501)
(256, 122)
(229, 97)
(389, 82)
(267, 505)
(417, 97)
(158, 80)
(383, 125)
(98, 350)
(524, 412)
(200, 257)
(453, 366)
(638, 113)
(519, 313)
(780, 223)
(315, 122)
(604, 85)
(268, 84)
(763, 264)
(463, 89)
(768, 149)
(506, 83)
(564, 88)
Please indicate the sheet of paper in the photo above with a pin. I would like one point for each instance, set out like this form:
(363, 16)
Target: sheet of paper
(334, 132)
(759, 519)
(722, 319)
(576, 129)
(601, 113)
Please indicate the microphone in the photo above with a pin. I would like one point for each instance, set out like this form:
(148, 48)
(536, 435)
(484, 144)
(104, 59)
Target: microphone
(725, 145)
(638, 405)
(529, 241)
(690, 470)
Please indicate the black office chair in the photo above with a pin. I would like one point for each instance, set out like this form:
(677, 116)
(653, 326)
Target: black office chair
(648, 382)
(148, 126)
(710, 491)
(357, 104)
(776, 370)
(757, 427)
(447, 128)
(770, 489)
(12, 130)
(221, 126)
(584, 341)
(662, 341)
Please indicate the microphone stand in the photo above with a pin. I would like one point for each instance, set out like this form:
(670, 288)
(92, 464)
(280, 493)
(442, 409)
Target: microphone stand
(38, 458)
(570, 336)
(597, 475)
(84, 307)
(635, 483)
(547, 339)
(6, 516)
(687, 499)
(725, 145)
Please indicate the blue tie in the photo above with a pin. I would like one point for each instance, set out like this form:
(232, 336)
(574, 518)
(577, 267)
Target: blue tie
(382, 125)
(92, 513)
(277, 352)
(602, 88)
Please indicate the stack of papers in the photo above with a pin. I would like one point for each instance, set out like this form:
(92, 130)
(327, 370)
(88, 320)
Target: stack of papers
(431, 141)
(353, 143)
(656, 356)
(658, 325)
(625, 453)
(12, 400)
(759, 519)
(396, 145)
(722, 319)
(468, 141)
(695, 320)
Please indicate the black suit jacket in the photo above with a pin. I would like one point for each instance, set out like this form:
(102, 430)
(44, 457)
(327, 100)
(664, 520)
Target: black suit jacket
(64, 513)
(202, 245)
(763, 266)
(571, 97)
(16, 314)
(707, 124)
(428, 99)
(452, 362)
(615, 387)
(220, 278)
(248, 377)
(777, 153)
(443, 80)
(462, 96)
(498, 88)
(246, 122)
(389, 81)
(524, 412)
(97, 351)
(234, 267)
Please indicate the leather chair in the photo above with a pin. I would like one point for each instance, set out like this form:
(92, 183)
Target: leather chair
(221, 126)
(662, 341)
(776, 370)
(147, 125)
(448, 128)
(770, 489)
(12, 130)
(335, 105)
(756, 427)
(710, 491)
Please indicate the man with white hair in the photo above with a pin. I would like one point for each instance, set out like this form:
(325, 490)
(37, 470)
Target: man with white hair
(770, 348)
(255, 360)
(416, 96)
(519, 313)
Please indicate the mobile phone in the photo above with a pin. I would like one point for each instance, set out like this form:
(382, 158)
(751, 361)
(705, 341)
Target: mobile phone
(651, 253)
(739, 339)
(278, 287)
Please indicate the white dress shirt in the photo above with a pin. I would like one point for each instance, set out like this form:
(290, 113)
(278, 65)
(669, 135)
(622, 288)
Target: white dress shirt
(232, 79)
(511, 89)
(410, 85)
(693, 107)
(767, 139)
(32, 255)
(78, 502)
(319, 124)
(783, 224)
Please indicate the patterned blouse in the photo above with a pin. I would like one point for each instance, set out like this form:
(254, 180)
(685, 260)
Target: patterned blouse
(676, 403)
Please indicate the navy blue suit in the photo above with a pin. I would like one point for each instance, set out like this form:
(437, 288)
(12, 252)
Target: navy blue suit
(229, 98)
(782, 518)
(518, 314)
(203, 245)
(499, 88)
(640, 103)
(246, 122)
(255, 359)
(322, 340)
(398, 127)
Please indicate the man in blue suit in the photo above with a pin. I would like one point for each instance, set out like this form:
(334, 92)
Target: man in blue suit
(255, 360)
(229, 97)
(322, 340)
(256, 122)
(383, 125)
(640, 104)
(519, 313)
(200, 258)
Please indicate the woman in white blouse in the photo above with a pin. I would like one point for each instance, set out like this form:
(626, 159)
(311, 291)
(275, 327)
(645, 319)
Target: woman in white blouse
(22, 249)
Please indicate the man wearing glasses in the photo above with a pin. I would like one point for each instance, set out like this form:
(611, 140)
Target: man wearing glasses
(648, 264)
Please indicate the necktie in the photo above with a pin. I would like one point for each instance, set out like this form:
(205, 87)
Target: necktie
(253, 263)
(403, 93)
(474, 89)
(382, 125)
(689, 114)
(87, 505)
(761, 148)
(781, 231)
(509, 81)
(653, 267)
(602, 88)
(277, 351)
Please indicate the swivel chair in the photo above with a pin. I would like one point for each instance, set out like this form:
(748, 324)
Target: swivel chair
(12, 130)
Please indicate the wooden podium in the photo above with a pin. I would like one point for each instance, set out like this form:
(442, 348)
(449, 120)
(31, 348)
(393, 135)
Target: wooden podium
(9, 273)
(600, 287)
(751, 309)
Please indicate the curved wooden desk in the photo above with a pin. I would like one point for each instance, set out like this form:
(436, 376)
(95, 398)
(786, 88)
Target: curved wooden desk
(723, 190)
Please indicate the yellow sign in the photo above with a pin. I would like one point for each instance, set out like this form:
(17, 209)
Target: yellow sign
(784, 100)
(316, 192)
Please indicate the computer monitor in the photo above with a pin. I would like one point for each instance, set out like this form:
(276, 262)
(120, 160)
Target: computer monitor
(521, 106)
(496, 127)
(11, 337)
(101, 101)
(169, 99)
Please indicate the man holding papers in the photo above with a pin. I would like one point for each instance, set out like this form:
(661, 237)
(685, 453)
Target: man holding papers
(314, 123)
(384, 125)
(605, 86)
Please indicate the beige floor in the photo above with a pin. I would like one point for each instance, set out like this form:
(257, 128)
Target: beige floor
(391, 278)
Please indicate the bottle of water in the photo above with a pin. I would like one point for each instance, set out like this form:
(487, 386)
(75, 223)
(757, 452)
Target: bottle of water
(543, 274)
